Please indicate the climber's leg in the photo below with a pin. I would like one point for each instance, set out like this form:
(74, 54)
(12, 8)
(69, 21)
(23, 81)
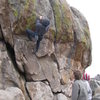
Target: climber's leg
(30, 34)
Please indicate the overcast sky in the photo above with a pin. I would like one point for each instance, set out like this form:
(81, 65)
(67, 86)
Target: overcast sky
(90, 9)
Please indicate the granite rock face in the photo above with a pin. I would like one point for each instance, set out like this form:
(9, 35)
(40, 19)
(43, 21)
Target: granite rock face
(39, 91)
(95, 86)
(11, 93)
(66, 46)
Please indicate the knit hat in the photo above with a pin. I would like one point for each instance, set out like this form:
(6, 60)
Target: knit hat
(86, 77)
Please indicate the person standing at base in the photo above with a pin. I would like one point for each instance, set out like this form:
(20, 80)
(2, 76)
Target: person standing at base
(79, 91)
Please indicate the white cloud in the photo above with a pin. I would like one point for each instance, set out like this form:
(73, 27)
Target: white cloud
(90, 9)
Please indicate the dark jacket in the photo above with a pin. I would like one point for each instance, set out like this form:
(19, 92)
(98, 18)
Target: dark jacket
(42, 26)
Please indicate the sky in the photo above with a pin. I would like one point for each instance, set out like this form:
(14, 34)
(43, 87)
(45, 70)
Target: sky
(90, 10)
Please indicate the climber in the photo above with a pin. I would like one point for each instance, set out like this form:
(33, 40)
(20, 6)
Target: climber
(42, 26)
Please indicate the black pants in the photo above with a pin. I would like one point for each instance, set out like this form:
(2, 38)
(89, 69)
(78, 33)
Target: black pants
(38, 43)
(31, 34)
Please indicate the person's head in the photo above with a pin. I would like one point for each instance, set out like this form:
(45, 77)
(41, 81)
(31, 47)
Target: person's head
(77, 74)
(41, 17)
(86, 77)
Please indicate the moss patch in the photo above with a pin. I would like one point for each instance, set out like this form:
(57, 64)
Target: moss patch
(86, 30)
(67, 17)
(26, 5)
(57, 16)
(23, 24)
(15, 11)
(51, 34)
(31, 21)
(27, 19)
(79, 51)
(63, 22)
